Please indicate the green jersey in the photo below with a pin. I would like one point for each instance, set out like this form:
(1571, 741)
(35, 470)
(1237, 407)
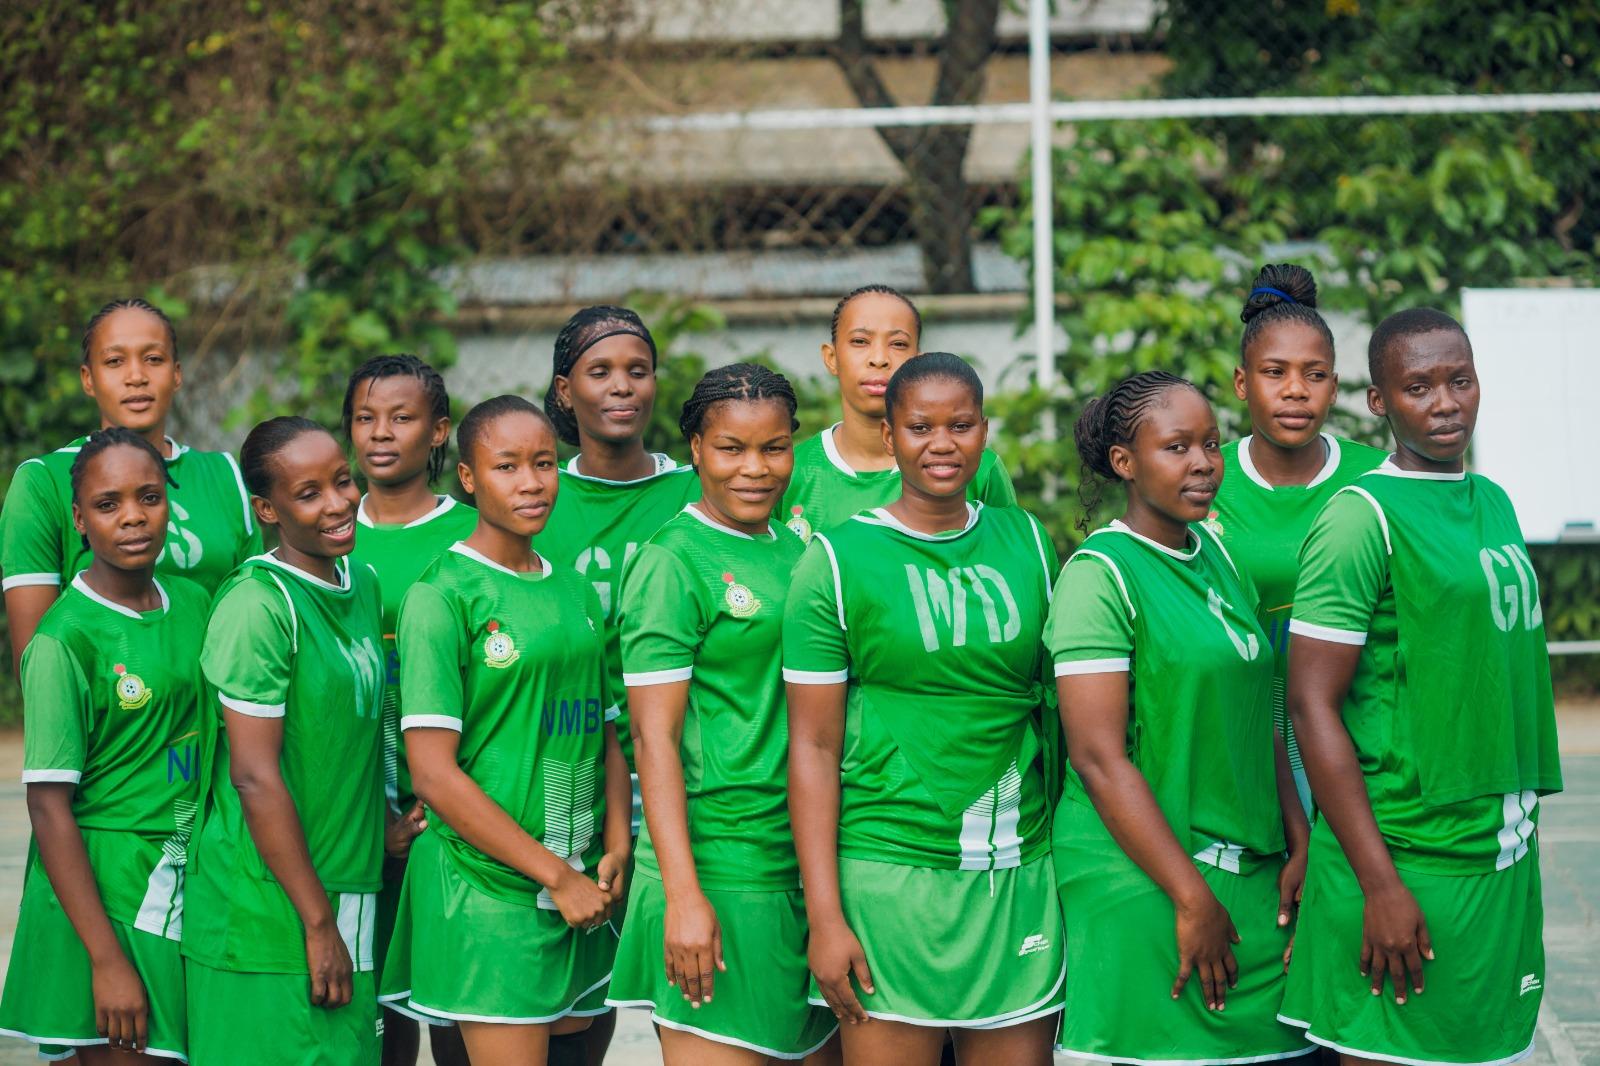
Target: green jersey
(398, 554)
(596, 526)
(704, 603)
(210, 529)
(1450, 709)
(938, 638)
(111, 705)
(283, 643)
(516, 664)
(825, 490)
(1263, 527)
(1182, 625)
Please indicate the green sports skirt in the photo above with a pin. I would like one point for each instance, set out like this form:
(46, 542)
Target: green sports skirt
(1482, 989)
(958, 949)
(1122, 957)
(461, 955)
(49, 995)
(758, 1003)
(268, 1019)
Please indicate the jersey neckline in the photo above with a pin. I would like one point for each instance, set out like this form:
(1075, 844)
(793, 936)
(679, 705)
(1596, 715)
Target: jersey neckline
(831, 451)
(460, 548)
(442, 504)
(694, 512)
(139, 616)
(1387, 468)
(1117, 525)
(665, 464)
(880, 516)
(341, 570)
(1329, 466)
(178, 450)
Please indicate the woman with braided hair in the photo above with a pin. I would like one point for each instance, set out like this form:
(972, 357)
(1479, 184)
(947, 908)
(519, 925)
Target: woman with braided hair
(130, 369)
(1178, 806)
(1286, 469)
(716, 933)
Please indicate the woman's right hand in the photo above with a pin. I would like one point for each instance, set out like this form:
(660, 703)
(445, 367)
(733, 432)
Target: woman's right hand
(121, 1010)
(581, 902)
(693, 947)
(328, 963)
(1394, 940)
(833, 954)
(1205, 948)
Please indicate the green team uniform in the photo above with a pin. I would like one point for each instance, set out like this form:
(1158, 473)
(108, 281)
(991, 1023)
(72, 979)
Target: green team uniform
(1263, 526)
(826, 490)
(1182, 625)
(398, 553)
(944, 847)
(516, 664)
(283, 643)
(596, 527)
(210, 529)
(1451, 715)
(703, 603)
(111, 701)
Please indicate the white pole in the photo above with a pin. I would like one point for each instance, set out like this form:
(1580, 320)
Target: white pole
(1044, 304)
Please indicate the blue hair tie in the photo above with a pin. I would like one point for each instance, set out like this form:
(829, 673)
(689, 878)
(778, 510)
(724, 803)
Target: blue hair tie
(1276, 292)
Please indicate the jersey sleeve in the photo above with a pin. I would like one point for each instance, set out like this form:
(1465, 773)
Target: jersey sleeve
(596, 612)
(1090, 629)
(430, 639)
(662, 619)
(814, 648)
(56, 713)
(1344, 568)
(30, 529)
(993, 485)
(248, 648)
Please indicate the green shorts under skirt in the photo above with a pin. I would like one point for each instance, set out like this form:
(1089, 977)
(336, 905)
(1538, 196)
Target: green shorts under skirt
(459, 954)
(759, 1003)
(49, 995)
(1122, 957)
(1481, 991)
(959, 949)
(268, 1019)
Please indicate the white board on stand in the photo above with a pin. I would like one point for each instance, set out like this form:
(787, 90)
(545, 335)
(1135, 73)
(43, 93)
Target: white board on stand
(1538, 358)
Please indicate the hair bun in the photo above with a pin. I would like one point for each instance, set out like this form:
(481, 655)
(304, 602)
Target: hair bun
(1290, 278)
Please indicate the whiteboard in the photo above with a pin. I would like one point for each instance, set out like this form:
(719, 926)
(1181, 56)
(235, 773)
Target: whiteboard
(1538, 358)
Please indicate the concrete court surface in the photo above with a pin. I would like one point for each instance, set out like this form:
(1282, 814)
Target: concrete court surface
(1569, 1027)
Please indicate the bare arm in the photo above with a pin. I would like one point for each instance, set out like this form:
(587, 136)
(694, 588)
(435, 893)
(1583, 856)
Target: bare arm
(451, 794)
(25, 605)
(1395, 936)
(816, 739)
(120, 1006)
(1094, 713)
(255, 745)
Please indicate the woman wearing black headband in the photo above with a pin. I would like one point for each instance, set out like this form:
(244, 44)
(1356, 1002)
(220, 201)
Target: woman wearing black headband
(1278, 477)
(614, 494)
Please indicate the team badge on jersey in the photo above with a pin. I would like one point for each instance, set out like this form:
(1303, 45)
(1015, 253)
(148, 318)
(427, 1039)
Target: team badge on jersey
(132, 692)
(798, 523)
(499, 650)
(1213, 523)
(742, 603)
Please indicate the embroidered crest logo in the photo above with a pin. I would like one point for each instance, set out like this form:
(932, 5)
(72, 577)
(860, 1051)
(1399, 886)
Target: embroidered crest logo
(798, 523)
(742, 603)
(499, 650)
(1213, 523)
(132, 692)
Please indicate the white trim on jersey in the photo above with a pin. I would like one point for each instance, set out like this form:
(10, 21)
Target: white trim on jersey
(1220, 547)
(658, 677)
(665, 464)
(1119, 526)
(430, 721)
(341, 570)
(611, 713)
(460, 548)
(17, 581)
(51, 777)
(1044, 558)
(1330, 464)
(1093, 666)
(253, 710)
(357, 922)
(1388, 469)
(294, 619)
(816, 677)
(1221, 854)
(1122, 586)
(831, 450)
(441, 505)
(838, 584)
(880, 516)
(1518, 809)
(83, 586)
(1301, 628)
(1383, 520)
(244, 493)
(693, 511)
